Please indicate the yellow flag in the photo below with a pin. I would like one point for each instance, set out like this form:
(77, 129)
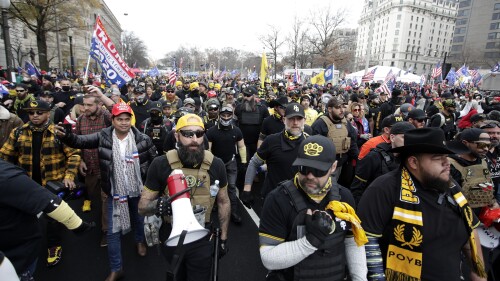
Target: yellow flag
(319, 79)
(263, 70)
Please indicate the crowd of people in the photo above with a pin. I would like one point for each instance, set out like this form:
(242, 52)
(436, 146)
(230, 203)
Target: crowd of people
(358, 183)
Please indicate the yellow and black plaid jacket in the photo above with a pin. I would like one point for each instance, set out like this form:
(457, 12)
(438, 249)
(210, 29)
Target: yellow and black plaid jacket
(58, 161)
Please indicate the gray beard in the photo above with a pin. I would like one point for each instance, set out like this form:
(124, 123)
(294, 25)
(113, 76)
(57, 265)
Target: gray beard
(249, 106)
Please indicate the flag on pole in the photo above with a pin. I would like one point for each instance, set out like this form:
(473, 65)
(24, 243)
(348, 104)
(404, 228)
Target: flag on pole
(329, 74)
(368, 76)
(31, 69)
(263, 70)
(496, 67)
(296, 76)
(409, 69)
(154, 72)
(389, 76)
(422, 80)
(462, 71)
(437, 71)
(3, 90)
(105, 53)
(319, 79)
(172, 77)
(451, 77)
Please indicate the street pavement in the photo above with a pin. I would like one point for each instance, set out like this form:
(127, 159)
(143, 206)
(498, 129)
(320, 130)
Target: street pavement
(83, 259)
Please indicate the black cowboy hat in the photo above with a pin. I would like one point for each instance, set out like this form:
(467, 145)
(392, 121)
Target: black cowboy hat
(281, 101)
(427, 140)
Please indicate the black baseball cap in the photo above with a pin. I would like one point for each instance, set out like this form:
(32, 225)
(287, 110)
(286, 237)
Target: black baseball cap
(250, 90)
(401, 128)
(294, 109)
(156, 106)
(417, 113)
(316, 152)
(38, 105)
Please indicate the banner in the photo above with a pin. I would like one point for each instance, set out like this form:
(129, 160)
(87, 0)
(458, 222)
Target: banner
(105, 53)
(329, 74)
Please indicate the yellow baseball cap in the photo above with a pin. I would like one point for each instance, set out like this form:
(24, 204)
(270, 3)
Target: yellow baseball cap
(188, 120)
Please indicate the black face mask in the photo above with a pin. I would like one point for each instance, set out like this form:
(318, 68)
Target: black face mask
(66, 88)
(156, 118)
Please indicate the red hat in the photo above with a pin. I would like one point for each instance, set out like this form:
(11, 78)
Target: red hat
(120, 108)
(211, 94)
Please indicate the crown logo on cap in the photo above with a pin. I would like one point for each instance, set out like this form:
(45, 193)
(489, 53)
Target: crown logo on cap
(312, 149)
(296, 108)
(33, 104)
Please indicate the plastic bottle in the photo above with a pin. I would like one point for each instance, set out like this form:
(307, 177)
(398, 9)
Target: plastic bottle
(214, 188)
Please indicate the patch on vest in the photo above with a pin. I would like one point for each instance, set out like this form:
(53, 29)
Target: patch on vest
(191, 181)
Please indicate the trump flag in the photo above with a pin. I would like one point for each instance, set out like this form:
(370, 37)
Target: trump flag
(105, 53)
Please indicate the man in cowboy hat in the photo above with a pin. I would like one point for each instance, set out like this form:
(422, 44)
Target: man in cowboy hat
(418, 217)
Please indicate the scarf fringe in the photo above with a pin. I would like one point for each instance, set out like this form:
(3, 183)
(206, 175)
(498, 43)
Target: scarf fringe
(391, 275)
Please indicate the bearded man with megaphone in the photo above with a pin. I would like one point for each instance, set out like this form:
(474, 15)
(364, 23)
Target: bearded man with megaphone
(183, 187)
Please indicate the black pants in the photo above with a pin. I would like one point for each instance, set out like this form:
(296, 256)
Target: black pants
(54, 229)
(232, 173)
(196, 265)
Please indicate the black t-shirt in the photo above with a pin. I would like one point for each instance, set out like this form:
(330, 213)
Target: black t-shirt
(493, 160)
(68, 98)
(159, 170)
(141, 111)
(278, 214)
(271, 125)
(21, 199)
(444, 231)
(224, 142)
(279, 154)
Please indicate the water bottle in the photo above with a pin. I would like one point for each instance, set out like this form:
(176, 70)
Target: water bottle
(214, 188)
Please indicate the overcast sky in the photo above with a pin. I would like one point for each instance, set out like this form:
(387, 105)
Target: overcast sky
(166, 25)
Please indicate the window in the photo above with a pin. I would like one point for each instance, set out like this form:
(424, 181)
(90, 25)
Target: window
(410, 25)
(497, 6)
(398, 24)
(392, 63)
(465, 13)
(464, 4)
(393, 55)
(397, 32)
(494, 35)
(458, 39)
(495, 25)
(495, 16)
(456, 48)
(492, 45)
(492, 55)
(25, 34)
(460, 30)
(462, 21)
(399, 17)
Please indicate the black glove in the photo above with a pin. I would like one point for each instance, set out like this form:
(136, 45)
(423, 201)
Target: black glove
(163, 207)
(223, 248)
(246, 198)
(318, 226)
(84, 227)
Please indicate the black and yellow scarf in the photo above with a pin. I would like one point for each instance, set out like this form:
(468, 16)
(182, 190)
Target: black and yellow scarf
(407, 221)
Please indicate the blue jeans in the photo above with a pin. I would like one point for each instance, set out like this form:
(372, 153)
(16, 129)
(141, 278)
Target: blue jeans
(114, 239)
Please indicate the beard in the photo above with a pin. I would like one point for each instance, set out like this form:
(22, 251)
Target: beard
(310, 190)
(434, 182)
(188, 156)
(249, 105)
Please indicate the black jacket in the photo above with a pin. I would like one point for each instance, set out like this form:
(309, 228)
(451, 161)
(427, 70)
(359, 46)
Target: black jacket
(103, 141)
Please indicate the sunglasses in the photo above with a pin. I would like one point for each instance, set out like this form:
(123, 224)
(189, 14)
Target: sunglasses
(36, 112)
(190, 134)
(247, 95)
(420, 120)
(20, 91)
(304, 170)
(356, 110)
(213, 109)
(483, 145)
(170, 91)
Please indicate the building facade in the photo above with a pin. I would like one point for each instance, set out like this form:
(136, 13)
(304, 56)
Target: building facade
(476, 41)
(408, 34)
(24, 46)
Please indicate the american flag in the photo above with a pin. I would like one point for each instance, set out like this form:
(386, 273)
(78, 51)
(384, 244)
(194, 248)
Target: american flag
(296, 78)
(387, 87)
(368, 76)
(462, 71)
(473, 72)
(172, 78)
(437, 71)
(389, 76)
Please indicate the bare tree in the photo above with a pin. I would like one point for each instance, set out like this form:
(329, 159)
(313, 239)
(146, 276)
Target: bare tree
(134, 50)
(324, 41)
(40, 18)
(272, 41)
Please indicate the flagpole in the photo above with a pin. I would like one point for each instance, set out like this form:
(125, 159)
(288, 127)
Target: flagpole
(88, 60)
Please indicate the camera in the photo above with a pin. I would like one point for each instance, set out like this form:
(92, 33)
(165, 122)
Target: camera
(58, 188)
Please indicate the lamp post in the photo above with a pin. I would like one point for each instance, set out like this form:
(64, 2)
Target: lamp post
(72, 59)
(5, 5)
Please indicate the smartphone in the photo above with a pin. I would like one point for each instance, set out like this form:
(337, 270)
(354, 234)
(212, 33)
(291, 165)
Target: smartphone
(68, 128)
